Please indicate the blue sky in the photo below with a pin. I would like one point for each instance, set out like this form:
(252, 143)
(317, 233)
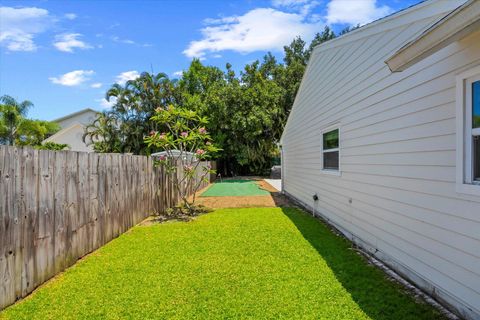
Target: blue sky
(63, 55)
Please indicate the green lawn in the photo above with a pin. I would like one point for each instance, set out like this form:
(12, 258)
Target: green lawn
(234, 188)
(266, 263)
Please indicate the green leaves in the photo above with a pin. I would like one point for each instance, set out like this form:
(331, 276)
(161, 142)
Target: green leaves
(185, 143)
(53, 146)
(244, 113)
(16, 129)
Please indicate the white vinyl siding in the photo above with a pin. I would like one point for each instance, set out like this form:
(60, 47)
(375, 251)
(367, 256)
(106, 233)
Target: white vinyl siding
(396, 195)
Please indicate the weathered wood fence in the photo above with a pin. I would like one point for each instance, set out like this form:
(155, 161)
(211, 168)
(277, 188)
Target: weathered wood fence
(57, 206)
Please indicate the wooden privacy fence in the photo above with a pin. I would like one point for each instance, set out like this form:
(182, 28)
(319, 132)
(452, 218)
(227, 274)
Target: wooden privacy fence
(57, 206)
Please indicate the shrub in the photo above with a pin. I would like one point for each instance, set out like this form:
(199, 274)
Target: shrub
(186, 143)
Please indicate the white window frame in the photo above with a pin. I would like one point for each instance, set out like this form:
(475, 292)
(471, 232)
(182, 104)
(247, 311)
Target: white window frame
(464, 117)
(326, 130)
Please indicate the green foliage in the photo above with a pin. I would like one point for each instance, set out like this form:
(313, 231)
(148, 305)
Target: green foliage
(16, 129)
(105, 133)
(476, 121)
(33, 132)
(122, 128)
(49, 145)
(186, 143)
(247, 111)
(321, 37)
(348, 29)
(255, 263)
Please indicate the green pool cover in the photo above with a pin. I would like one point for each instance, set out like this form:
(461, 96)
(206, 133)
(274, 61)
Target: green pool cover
(231, 188)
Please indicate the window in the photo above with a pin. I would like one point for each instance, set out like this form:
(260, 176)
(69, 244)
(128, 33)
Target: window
(475, 134)
(472, 129)
(468, 132)
(330, 150)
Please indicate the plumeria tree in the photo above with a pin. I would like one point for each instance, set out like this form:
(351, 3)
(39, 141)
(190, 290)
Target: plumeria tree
(186, 143)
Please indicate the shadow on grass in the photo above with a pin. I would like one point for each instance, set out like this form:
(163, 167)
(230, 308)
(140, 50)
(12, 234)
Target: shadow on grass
(368, 286)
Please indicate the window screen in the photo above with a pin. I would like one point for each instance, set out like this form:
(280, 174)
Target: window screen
(476, 158)
(330, 150)
(475, 131)
(476, 104)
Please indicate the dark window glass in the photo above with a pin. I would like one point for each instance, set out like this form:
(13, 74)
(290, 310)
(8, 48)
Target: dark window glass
(330, 160)
(476, 104)
(476, 158)
(330, 140)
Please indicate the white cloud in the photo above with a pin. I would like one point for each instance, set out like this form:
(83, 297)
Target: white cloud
(355, 11)
(18, 27)
(73, 78)
(123, 77)
(288, 3)
(304, 7)
(69, 41)
(178, 73)
(119, 40)
(70, 16)
(96, 85)
(258, 29)
(107, 104)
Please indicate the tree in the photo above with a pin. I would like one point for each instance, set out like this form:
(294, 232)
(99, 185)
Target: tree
(248, 110)
(244, 111)
(53, 146)
(12, 115)
(122, 128)
(320, 37)
(33, 132)
(348, 29)
(104, 133)
(186, 143)
(16, 129)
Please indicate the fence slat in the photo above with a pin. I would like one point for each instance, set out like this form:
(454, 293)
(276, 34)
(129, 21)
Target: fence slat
(57, 206)
(7, 242)
(60, 205)
(45, 267)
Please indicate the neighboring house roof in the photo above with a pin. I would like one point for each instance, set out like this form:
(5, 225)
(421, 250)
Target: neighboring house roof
(72, 136)
(453, 27)
(71, 115)
(63, 132)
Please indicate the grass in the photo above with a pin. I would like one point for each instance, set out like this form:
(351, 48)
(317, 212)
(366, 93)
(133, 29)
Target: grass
(257, 263)
(231, 188)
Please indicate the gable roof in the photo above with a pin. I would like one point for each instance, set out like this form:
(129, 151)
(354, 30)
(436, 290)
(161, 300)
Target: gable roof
(71, 115)
(365, 49)
(456, 25)
(424, 9)
(63, 131)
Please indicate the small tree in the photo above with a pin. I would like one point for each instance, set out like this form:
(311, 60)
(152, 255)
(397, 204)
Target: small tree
(186, 143)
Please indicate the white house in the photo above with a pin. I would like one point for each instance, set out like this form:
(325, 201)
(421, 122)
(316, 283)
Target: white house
(385, 130)
(73, 128)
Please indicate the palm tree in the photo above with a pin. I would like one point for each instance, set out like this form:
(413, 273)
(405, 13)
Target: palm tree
(12, 115)
(103, 133)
